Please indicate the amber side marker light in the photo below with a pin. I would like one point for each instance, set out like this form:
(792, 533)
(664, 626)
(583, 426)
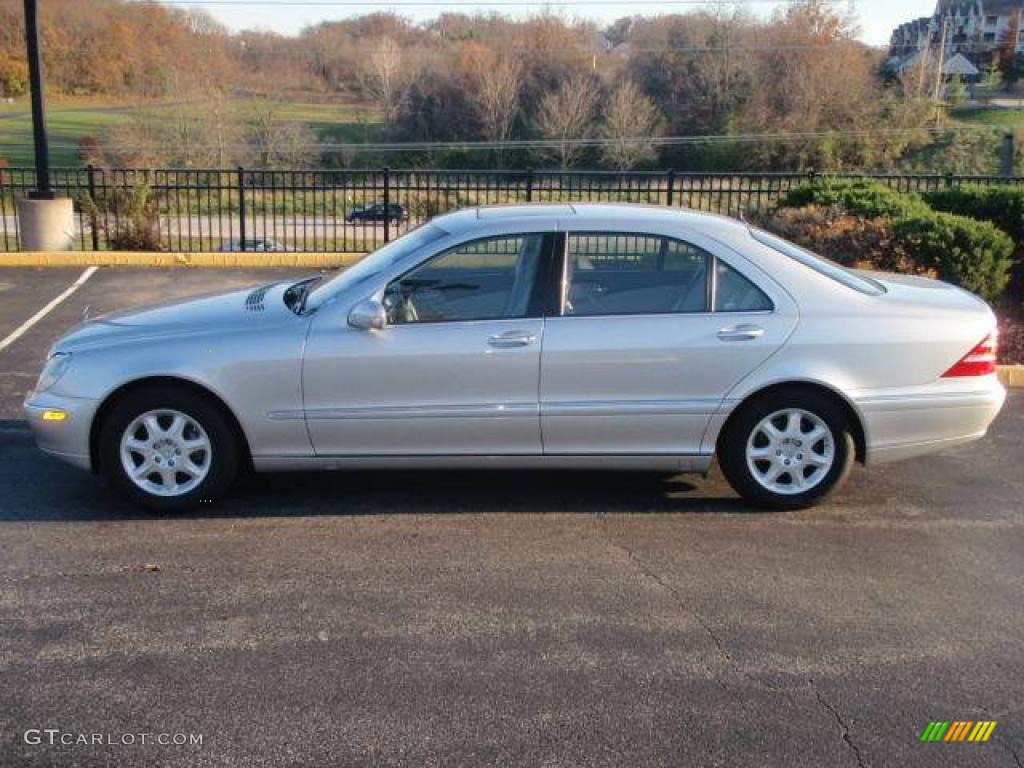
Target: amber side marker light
(980, 361)
(55, 415)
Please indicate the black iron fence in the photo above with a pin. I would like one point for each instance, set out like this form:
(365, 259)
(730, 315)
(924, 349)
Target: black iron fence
(357, 210)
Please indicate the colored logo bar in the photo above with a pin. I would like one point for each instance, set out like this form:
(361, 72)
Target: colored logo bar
(958, 730)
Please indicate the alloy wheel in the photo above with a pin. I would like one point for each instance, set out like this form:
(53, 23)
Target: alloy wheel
(790, 451)
(166, 452)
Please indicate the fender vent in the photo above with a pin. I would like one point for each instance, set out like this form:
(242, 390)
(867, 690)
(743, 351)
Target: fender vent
(254, 301)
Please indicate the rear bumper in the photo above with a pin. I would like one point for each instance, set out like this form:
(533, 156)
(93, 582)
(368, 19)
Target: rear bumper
(68, 440)
(923, 420)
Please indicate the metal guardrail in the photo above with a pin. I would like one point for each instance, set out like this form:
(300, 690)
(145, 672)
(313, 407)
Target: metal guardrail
(310, 210)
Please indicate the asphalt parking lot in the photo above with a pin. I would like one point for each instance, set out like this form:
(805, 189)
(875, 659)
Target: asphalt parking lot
(520, 618)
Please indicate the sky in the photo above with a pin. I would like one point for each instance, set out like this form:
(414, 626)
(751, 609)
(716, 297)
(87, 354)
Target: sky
(877, 17)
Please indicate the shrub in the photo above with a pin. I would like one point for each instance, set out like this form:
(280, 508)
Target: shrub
(136, 219)
(974, 254)
(1001, 205)
(971, 253)
(859, 198)
(854, 241)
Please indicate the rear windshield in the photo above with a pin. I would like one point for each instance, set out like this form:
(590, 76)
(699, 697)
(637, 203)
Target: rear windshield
(819, 264)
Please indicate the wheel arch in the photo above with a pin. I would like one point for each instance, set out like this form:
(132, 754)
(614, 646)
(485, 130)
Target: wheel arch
(135, 385)
(848, 408)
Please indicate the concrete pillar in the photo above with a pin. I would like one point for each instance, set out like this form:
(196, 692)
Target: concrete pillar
(46, 225)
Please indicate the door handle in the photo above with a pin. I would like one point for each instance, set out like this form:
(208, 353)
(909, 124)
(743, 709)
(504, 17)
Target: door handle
(741, 333)
(512, 339)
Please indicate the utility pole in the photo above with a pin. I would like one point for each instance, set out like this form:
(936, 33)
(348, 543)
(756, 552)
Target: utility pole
(938, 73)
(43, 191)
(923, 58)
(46, 222)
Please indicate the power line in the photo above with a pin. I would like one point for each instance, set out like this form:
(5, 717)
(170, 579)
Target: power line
(420, 49)
(466, 3)
(626, 49)
(662, 141)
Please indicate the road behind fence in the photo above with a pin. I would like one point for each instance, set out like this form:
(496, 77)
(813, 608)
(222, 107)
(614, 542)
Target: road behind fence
(205, 210)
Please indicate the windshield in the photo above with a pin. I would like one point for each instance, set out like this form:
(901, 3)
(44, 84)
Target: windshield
(819, 264)
(376, 262)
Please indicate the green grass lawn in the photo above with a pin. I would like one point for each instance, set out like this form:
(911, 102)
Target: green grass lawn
(999, 117)
(67, 125)
(69, 122)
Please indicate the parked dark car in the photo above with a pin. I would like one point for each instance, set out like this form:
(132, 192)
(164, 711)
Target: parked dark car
(378, 212)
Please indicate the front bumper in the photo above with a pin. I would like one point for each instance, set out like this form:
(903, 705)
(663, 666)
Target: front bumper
(68, 439)
(901, 425)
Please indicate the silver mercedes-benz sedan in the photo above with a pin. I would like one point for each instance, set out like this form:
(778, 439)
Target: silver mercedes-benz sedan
(545, 336)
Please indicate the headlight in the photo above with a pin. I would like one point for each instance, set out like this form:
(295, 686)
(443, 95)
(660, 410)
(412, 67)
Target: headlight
(56, 366)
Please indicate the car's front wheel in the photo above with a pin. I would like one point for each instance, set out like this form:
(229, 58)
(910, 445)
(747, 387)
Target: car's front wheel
(787, 449)
(167, 449)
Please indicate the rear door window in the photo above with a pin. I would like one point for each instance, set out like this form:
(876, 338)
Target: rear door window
(735, 293)
(634, 274)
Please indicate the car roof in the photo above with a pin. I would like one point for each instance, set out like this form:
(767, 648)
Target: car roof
(603, 216)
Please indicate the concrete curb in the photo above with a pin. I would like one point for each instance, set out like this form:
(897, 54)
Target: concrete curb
(177, 259)
(1011, 375)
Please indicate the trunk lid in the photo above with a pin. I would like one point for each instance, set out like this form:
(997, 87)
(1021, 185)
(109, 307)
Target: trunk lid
(917, 291)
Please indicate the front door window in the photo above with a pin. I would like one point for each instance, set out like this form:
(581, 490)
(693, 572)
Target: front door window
(489, 279)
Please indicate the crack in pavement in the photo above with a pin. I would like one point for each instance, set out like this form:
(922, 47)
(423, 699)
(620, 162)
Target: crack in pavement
(844, 729)
(644, 569)
(997, 738)
(720, 646)
(1009, 748)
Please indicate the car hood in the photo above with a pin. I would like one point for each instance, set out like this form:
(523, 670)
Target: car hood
(215, 312)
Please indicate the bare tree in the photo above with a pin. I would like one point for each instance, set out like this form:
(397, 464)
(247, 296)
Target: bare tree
(565, 114)
(385, 73)
(224, 131)
(632, 122)
(279, 143)
(139, 142)
(497, 79)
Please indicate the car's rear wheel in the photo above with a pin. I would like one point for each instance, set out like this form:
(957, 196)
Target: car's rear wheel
(167, 449)
(787, 449)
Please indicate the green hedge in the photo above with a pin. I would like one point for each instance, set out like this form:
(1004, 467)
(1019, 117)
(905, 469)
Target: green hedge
(1002, 205)
(870, 199)
(971, 253)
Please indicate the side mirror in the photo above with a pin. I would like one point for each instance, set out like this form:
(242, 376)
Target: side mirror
(368, 315)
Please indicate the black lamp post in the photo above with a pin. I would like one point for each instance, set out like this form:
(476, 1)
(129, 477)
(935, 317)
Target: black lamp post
(43, 190)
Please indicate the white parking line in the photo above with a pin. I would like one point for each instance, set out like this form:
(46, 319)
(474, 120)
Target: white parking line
(20, 330)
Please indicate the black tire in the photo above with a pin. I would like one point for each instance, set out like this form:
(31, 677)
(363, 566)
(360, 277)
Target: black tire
(225, 453)
(732, 447)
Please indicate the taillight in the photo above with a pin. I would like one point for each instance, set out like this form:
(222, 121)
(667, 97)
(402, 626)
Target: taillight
(980, 361)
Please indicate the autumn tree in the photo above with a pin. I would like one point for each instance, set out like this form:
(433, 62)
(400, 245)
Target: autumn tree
(815, 80)
(13, 75)
(696, 67)
(1007, 56)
